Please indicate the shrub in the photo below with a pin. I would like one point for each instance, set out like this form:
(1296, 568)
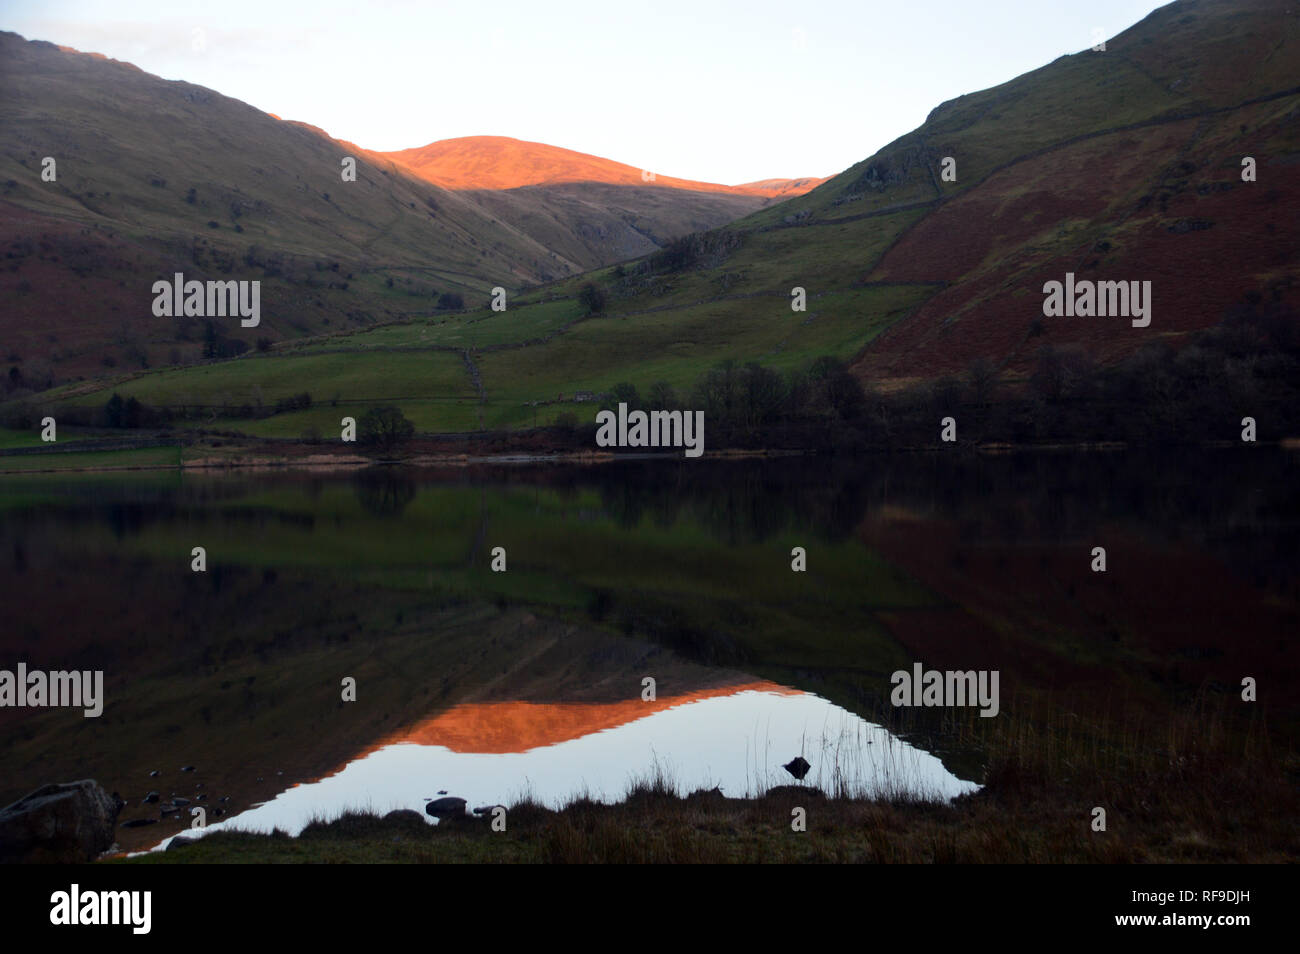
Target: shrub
(592, 298)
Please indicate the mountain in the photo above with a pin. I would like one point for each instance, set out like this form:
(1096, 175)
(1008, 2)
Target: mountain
(782, 188)
(1125, 164)
(154, 177)
(1117, 165)
(590, 210)
(499, 162)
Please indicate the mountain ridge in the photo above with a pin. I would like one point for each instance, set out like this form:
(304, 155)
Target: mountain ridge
(504, 162)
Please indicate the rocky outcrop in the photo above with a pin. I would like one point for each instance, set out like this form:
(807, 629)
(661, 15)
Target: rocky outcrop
(65, 822)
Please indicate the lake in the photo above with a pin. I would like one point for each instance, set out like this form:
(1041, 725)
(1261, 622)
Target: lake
(643, 620)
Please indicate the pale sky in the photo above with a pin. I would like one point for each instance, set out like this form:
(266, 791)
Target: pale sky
(711, 90)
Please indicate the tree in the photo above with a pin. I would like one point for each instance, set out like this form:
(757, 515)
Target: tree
(982, 380)
(715, 392)
(662, 397)
(113, 411)
(834, 389)
(385, 428)
(566, 423)
(592, 298)
(132, 413)
(761, 393)
(622, 393)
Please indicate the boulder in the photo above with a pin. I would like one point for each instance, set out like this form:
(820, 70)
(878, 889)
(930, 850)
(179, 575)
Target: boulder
(64, 822)
(445, 807)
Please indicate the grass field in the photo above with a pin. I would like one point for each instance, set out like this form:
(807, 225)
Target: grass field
(148, 457)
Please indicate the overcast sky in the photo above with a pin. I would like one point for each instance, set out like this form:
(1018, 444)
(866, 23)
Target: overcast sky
(705, 89)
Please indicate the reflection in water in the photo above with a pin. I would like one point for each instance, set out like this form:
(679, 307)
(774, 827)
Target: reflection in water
(504, 727)
(384, 492)
(956, 561)
(737, 741)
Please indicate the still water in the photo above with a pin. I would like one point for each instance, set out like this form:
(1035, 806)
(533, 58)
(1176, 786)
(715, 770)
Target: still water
(500, 623)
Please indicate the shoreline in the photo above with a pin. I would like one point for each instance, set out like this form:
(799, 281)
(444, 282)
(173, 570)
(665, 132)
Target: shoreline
(347, 463)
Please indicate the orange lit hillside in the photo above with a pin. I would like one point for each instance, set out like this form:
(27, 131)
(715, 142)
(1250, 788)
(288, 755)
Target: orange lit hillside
(499, 162)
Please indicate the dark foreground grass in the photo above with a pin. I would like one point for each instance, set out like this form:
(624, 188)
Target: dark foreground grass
(1187, 790)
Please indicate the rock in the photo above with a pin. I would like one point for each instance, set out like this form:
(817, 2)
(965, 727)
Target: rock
(69, 822)
(404, 815)
(151, 798)
(180, 802)
(798, 767)
(187, 768)
(153, 774)
(445, 807)
(180, 841)
(139, 822)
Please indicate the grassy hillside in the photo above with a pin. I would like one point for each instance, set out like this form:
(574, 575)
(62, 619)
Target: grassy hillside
(1123, 164)
(154, 177)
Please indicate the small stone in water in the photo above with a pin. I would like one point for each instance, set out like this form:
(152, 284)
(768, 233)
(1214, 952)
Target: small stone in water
(445, 807)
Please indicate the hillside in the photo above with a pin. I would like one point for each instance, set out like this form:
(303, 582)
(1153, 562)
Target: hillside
(155, 177)
(589, 210)
(500, 162)
(1116, 165)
